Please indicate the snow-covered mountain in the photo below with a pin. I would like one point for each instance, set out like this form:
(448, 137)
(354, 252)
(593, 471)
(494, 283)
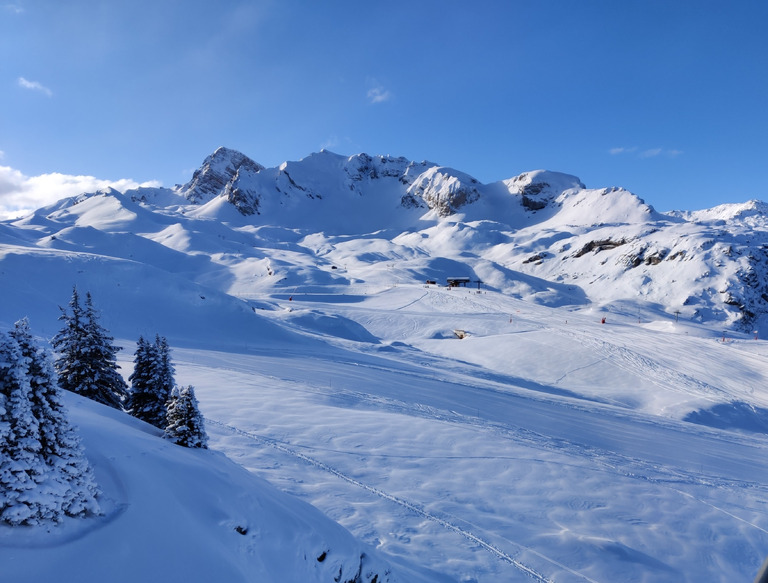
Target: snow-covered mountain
(494, 432)
(241, 229)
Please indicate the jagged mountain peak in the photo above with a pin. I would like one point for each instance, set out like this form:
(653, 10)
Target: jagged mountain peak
(329, 187)
(338, 181)
(218, 172)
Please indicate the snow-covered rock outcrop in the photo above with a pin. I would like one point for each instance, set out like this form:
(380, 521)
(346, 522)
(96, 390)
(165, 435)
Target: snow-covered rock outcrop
(223, 173)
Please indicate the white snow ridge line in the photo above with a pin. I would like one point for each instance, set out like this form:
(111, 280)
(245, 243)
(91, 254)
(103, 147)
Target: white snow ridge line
(533, 574)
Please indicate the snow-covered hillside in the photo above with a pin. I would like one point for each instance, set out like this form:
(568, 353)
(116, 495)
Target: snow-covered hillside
(493, 432)
(177, 514)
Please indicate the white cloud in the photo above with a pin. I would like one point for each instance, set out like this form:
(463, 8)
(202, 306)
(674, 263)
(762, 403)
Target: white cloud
(35, 86)
(622, 150)
(651, 153)
(647, 153)
(378, 95)
(15, 8)
(20, 194)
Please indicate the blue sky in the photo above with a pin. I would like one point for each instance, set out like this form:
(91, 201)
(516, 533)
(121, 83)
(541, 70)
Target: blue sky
(666, 98)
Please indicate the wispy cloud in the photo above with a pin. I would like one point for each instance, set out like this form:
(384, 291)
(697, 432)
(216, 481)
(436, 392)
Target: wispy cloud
(646, 153)
(335, 142)
(14, 8)
(34, 86)
(331, 142)
(20, 194)
(650, 153)
(617, 151)
(378, 94)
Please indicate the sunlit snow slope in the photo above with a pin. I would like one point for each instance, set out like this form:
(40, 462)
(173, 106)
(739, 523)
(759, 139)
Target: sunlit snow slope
(541, 445)
(177, 514)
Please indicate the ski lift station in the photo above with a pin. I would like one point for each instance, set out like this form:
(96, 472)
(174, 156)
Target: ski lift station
(458, 281)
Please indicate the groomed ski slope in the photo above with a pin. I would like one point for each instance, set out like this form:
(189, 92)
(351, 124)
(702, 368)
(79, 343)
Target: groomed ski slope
(543, 446)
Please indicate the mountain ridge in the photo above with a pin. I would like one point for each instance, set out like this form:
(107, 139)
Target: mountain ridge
(249, 231)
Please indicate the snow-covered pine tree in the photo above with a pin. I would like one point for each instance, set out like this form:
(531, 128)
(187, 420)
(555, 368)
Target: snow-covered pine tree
(70, 474)
(22, 469)
(142, 392)
(103, 359)
(166, 380)
(151, 382)
(87, 358)
(185, 422)
(68, 343)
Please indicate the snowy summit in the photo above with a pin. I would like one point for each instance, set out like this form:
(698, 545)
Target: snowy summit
(405, 375)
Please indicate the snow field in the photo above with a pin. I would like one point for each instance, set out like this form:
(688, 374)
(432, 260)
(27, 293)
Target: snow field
(453, 455)
(177, 514)
(543, 446)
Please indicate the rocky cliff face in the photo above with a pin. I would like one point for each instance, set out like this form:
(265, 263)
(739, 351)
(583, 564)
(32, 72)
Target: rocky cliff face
(232, 175)
(220, 175)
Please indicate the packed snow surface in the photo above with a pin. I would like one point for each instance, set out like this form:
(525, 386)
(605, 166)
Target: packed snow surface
(177, 514)
(494, 432)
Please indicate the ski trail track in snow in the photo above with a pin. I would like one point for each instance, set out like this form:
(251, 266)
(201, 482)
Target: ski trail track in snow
(603, 460)
(611, 461)
(674, 479)
(626, 358)
(635, 363)
(405, 380)
(415, 508)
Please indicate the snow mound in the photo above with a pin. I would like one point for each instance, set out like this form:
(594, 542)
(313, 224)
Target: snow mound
(178, 514)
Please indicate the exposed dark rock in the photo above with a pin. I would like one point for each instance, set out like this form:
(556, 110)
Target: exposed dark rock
(217, 171)
(536, 258)
(533, 188)
(600, 245)
(533, 205)
(411, 202)
(655, 258)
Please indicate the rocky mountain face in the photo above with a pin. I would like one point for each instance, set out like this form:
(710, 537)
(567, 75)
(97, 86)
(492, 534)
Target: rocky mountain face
(246, 184)
(329, 220)
(221, 175)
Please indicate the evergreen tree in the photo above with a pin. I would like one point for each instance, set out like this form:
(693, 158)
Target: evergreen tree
(22, 469)
(166, 380)
(140, 379)
(151, 382)
(87, 358)
(146, 401)
(69, 345)
(70, 473)
(185, 422)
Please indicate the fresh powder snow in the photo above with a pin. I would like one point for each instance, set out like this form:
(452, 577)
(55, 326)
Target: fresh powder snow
(591, 406)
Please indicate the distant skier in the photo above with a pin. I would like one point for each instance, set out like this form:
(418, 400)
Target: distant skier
(602, 321)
